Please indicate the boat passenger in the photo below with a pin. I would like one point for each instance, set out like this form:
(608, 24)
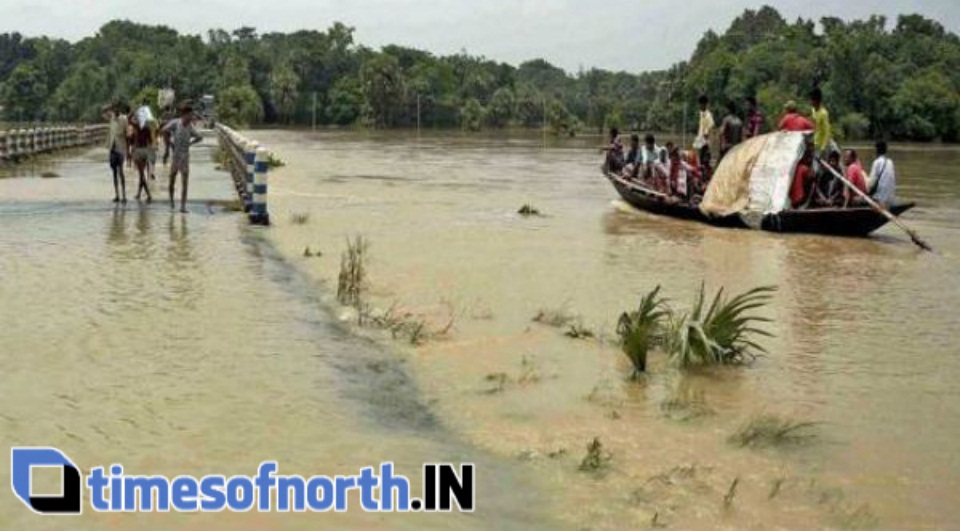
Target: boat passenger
(827, 191)
(632, 161)
(731, 130)
(614, 150)
(793, 120)
(802, 179)
(823, 134)
(681, 173)
(652, 167)
(883, 177)
(856, 177)
(704, 132)
(755, 120)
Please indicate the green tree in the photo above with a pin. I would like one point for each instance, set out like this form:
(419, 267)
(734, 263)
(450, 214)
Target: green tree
(284, 84)
(24, 93)
(239, 106)
(81, 95)
(501, 109)
(346, 101)
(927, 107)
(382, 83)
(472, 115)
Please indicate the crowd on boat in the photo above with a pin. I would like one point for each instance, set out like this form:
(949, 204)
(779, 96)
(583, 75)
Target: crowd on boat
(825, 176)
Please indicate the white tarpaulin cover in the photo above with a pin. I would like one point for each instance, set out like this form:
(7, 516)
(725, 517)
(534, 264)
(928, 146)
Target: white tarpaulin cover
(754, 178)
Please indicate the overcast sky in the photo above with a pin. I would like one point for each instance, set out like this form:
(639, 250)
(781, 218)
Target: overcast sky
(634, 36)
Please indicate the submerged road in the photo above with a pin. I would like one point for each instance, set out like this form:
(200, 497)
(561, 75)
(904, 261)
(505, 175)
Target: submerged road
(183, 344)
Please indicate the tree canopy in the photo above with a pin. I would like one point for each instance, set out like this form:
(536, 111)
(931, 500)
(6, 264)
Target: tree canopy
(895, 80)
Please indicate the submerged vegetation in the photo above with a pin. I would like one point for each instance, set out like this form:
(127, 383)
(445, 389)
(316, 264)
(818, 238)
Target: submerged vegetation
(556, 317)
(718, 334)
(596, 459)
(721, 333)
(639, 330)
(528, 210)
(353, 273)
(771, 431)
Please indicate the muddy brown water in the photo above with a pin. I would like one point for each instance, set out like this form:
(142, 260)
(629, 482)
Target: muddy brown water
(192, 344)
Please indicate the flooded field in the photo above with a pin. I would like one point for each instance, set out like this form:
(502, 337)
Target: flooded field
(188, 344)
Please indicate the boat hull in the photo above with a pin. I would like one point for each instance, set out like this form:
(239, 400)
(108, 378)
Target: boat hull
(858, 221)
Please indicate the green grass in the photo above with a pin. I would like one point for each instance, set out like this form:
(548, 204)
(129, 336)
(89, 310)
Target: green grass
(721, 333)
(639, 330)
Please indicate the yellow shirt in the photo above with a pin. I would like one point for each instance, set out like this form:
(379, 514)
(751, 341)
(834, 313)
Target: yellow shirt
(822, 133)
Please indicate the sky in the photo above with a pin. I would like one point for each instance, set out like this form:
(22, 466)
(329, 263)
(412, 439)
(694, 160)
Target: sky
(635, 36)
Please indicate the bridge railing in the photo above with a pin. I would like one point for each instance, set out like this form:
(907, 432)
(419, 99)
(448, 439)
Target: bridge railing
(19, 144)
(248, 163)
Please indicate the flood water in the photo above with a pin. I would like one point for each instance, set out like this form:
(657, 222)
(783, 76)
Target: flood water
(196, 343)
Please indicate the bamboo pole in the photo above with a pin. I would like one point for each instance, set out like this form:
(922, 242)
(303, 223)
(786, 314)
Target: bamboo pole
(879, 208)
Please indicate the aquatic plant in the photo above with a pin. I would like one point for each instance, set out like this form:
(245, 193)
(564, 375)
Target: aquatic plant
(731, 493)
(528, 210)
(499, 379)
(596, 459)
(402, 324)
(721, 333)
(579, 331)
(529, 371)
(273, 161)
(353, 273)
(771, 431)
(557, 317)
(640, 329)
(686, 405)
(299, 218)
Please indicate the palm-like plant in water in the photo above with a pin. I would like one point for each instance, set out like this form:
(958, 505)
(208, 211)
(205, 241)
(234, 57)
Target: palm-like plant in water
(641, 329)
(721, 333)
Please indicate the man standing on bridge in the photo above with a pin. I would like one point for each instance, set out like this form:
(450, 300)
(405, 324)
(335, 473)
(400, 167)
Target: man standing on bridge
(117, 149)
(180, 134)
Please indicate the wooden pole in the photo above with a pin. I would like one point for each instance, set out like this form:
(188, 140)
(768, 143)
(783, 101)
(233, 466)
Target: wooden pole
(544, 122)
(879, 208)
(314, 110)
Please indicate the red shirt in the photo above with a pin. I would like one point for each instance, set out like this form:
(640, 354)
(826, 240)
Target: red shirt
(799, 187)
(855, 175)
(795, 122)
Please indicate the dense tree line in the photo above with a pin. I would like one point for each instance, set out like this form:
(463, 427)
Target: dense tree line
(897, 80)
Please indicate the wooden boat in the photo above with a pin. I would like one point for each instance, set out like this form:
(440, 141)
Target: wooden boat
(856, 221)
(749, 190)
